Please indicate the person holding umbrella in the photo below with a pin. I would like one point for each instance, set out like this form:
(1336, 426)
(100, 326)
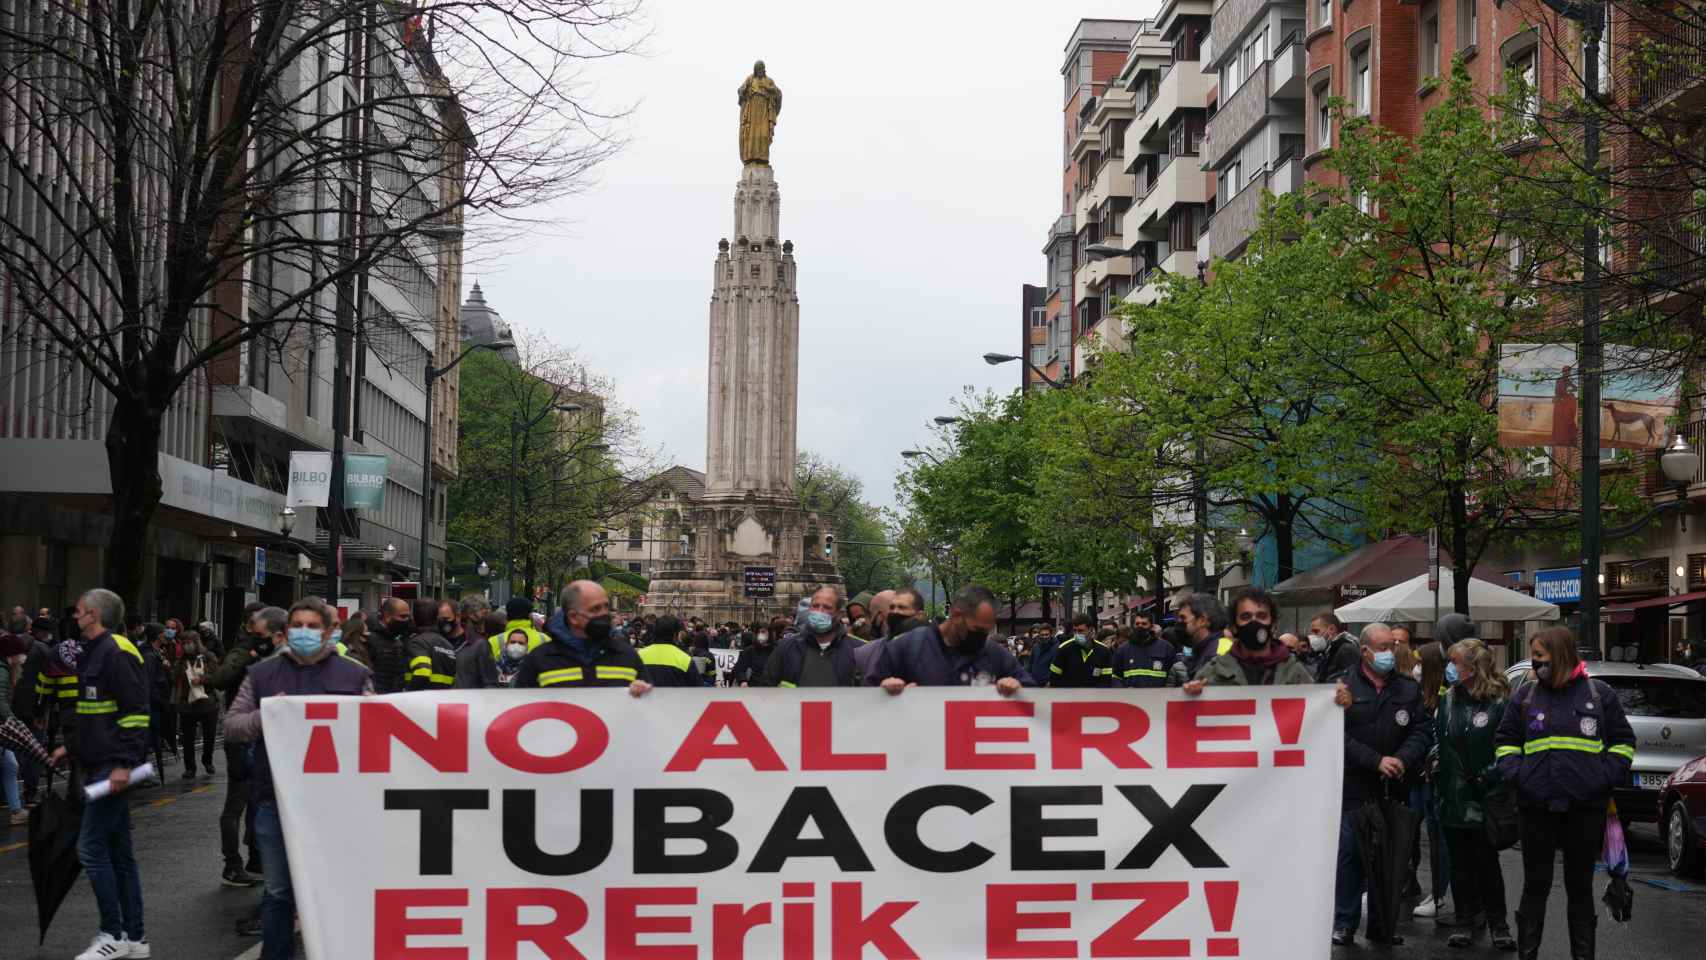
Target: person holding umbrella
(1387, 735)
(1563, 743)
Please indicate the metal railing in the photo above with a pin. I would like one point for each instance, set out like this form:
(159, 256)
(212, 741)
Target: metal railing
(1674, 57)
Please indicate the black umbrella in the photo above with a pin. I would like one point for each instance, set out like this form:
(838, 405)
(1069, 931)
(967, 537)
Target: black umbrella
(54, 825)
(1386, 833)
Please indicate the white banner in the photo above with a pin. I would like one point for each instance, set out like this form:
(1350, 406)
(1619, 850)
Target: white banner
(943, 822)
(725, 661)
(310, 479)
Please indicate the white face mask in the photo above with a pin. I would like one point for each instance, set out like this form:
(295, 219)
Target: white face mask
(763, 637)
(516, 650)
(1416, 671)
(1317, 642)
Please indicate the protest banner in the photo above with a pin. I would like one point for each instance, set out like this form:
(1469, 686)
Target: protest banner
(726, 659)
(842, 823)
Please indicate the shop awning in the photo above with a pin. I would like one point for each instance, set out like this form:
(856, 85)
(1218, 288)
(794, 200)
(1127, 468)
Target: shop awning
(1651, 602)
(1374, 567)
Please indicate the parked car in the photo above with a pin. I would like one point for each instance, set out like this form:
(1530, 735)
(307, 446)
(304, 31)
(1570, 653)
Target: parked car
(1666, 704)
(1682, 818)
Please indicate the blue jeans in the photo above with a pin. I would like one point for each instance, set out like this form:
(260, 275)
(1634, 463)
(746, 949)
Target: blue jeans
(9, 778)
(278, 900)
(1347, 879)
(103, 847)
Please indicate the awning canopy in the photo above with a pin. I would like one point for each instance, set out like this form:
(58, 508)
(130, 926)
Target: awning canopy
(1375, 567)
(1412, 601)
(1649, 603)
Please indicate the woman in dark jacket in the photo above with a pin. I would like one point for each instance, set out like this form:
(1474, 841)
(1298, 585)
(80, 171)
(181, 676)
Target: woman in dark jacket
(194, 695)
(1562, 745)
(1469, 715)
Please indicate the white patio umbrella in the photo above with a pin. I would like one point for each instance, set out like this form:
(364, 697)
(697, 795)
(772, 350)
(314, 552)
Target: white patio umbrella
(1413, 601)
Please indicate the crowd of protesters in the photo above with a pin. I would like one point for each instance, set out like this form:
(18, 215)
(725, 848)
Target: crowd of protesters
(1431, 724)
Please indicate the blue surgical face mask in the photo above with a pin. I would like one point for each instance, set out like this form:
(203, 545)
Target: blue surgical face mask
(304, 641)
(820, 622)
(1451, 674)
(337, 637)
(1384, 661)
(170, 633)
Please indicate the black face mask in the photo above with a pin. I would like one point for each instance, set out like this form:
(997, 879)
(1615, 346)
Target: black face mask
(1254, 635)
(1143, 634)
(1543, 673)
(972, 641)
(447, 627)
(400, 628)
(899, 623)
(598, 629)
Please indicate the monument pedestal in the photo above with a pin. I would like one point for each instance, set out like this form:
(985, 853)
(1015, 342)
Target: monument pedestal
(749, 515)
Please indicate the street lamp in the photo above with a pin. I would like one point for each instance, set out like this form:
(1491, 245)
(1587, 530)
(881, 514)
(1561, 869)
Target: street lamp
(996, 359)
(913, 454)
(287, 520)
(432, 375)
(390, 552)
(1105, 251)
(946, 421)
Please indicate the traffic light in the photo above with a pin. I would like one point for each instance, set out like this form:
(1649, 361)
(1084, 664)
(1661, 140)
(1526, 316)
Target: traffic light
(829, 546)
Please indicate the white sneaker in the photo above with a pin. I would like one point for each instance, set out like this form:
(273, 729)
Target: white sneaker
(140, 950)
(104, 947)
(1428, 909)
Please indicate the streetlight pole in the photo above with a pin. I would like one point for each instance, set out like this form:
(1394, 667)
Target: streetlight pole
(432, 375)
(995, 359)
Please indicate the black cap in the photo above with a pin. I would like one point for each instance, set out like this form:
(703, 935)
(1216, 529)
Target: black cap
(519, 608)
(1454, 627)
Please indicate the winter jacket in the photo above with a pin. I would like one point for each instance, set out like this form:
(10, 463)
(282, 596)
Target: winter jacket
(112, 706)
(475, 668)
(1081, 665)
(1468, 768)
(749, 666)
(1144, 664)
(1564, 748)
(571, 661)
(431, 663)
(919, 656)
(390, 661)
(1343, 654)
(283, 675)
(1042, 657)
(47, 690)
(228, 676)
(159, 672)
(791, 666)
(1227, 670)
(181, 688)
(1389, 721)
(667, 665)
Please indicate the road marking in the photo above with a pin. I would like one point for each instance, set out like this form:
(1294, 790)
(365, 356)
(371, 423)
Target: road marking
(250, 954)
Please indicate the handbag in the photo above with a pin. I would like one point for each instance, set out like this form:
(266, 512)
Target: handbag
(1498, 804)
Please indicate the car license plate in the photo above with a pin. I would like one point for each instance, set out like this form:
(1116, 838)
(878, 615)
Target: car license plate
(1650, 781)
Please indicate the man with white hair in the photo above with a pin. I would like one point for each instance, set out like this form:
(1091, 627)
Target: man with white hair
(111, 740)
(1388, 731)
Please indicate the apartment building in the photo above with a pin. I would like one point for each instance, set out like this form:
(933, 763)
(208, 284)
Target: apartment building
(1074, 304)
(1254, 137)
(218, 537)
(1163, 148)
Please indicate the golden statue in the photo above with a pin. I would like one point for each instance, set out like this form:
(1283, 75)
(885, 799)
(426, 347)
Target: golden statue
(760, 102)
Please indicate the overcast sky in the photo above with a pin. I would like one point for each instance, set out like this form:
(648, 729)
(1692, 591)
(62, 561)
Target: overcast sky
(918, 155)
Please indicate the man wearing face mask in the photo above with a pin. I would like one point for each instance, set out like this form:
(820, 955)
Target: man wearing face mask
(1147, 660)
(821, 655)
(581, 651)
(1335, 647)
(388, 645)
(667, 665)
(1388, 731)
(308, 664)
(432, 657)
(1256, 658)
(749, 666)
(1081, 661)
(956, 653)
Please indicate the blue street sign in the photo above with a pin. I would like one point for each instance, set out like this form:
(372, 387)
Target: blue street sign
(1051, 581)
(260, 566)
(1563, 585)
(1077, 582)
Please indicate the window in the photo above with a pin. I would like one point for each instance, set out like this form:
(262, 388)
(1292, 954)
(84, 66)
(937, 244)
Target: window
(1039, 355)
(633, 566)
(1182, 226)
(1323, 13)
(1537, 462)
(1039, 317)
(1523, 68)
(1468, 23)
(1430, 40)
(1365, 203)
(636, 537)
(1233, 183)
(1602, 73)
(1362, 93)
(1323, 117)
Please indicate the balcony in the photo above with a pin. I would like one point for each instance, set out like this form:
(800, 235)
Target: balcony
(1182, 88)
(1287, 176)
(1673, 64)
(1677, 252)
(1178, 182)
(1289, 69)
(1239, 116)
(1231, 19)
(1111, 181)
(1235, 221)
(1091, 273)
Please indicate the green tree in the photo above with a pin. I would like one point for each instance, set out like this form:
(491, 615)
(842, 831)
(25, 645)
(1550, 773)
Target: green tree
(573, 450)
(834, 495)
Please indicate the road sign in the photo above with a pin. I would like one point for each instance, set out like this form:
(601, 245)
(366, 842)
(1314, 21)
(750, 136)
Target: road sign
(759, 583)
(1051, 581)
(260, 566)
(1077, 581)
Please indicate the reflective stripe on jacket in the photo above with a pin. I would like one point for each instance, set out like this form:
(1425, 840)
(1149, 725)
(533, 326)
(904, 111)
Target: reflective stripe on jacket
(112, 705)
(1564, 748)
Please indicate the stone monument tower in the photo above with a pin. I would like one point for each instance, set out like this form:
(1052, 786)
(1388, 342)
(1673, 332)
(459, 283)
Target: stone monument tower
(749, 528)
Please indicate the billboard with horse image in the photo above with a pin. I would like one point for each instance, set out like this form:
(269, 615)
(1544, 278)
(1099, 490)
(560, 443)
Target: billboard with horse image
(1540, 397)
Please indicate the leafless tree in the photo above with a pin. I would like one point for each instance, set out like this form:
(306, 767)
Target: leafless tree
(183, 182)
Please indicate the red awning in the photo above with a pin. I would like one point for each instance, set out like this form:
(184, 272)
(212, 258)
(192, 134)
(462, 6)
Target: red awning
(1670, 601)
